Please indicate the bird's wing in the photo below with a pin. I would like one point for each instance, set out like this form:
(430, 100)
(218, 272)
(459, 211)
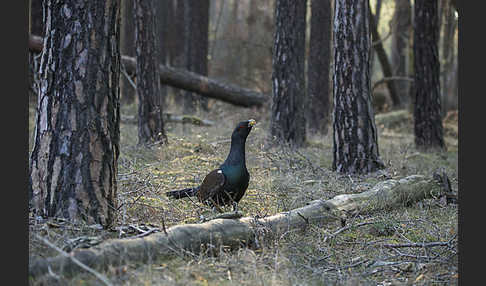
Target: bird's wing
(212, 184)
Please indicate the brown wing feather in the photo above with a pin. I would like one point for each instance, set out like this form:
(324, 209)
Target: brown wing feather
(212, 185)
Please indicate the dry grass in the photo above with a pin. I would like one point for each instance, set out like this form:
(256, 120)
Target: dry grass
(281, 179)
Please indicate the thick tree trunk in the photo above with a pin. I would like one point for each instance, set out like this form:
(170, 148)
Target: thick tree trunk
(73, 165)
(355, 134)
(247, 230)
(402, 24)
(318, 66)
(427, 106)
(150, 121)
(190, 81)
(384, 62)
(127, 47)
(288, 106)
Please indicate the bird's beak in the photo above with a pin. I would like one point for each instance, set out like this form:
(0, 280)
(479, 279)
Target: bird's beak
(251, 122)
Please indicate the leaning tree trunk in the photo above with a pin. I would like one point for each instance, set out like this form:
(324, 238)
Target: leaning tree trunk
(73, 164)
(318, 66)
(355, 134)
(402, 24)
(150, 122)
(427, 105)
(384, 62)
(127, 47)
(288, 118)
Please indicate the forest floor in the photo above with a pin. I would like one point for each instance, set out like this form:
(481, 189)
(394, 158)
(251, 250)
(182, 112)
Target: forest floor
(281, 179)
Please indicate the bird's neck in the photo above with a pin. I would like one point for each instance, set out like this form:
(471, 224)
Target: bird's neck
(236, 154)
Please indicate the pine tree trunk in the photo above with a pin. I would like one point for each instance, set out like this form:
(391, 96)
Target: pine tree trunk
(150, 122)
(127, 47)
(319, 66)
(427, 105)
(402, 24)
(177, 43)
(288, 118)
(162, 36)
(199, 41)
(355, 134)
(73, 165)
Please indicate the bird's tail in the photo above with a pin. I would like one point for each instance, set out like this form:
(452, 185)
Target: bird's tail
(179, 194)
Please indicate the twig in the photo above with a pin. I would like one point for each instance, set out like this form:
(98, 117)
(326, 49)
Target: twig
(426, 244)
(346, 228)
(98, 275)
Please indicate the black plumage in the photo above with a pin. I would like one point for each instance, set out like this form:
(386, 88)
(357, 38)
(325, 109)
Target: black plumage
(227, 184)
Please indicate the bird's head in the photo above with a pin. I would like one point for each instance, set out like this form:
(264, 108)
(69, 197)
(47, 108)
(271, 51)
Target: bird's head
(243, 129)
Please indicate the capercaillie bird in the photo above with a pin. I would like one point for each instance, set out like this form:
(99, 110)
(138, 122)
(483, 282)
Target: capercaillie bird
(227, 184)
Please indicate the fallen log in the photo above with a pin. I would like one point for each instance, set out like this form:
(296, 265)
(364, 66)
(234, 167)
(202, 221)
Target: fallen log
(232, 233)
(187, 80)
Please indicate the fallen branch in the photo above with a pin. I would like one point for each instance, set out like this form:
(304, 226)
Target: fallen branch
(233, 233)
(187, 80)
(425, 244)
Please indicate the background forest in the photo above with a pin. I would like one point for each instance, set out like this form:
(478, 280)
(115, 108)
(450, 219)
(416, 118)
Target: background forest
(158, 86)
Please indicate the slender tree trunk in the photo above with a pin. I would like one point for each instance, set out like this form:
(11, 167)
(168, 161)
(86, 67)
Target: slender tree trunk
(355, 134)
(150, 122)
(177, 47)
(199, 42)
(319, 66)
(288, 105)
(402, 24)
(163, 9)
(189, 105)
(73, 165)
(427, 106)
(127, 47)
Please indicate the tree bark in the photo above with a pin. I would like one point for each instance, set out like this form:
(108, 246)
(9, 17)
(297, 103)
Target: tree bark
(384, 62)
(318, 66)
(427, 106)
(355, 135)
(288, 106)
(73, 165)
(247, 230)
(402, 24)
(183, 79)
